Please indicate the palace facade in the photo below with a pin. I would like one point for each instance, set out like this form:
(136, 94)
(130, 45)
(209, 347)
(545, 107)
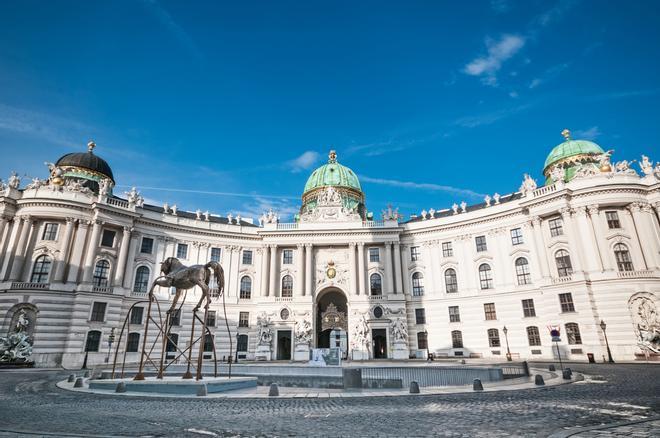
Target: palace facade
(580, 253)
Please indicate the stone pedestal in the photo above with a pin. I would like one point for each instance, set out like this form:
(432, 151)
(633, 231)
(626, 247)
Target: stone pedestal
(359, 354)
(400, 350)
(262, 353)
(301, 352)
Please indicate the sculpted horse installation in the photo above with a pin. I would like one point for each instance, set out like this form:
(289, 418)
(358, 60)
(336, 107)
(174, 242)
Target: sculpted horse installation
(183, 277)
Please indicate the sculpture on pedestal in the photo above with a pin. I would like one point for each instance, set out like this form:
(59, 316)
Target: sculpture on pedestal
(17, 346)
(399, 330)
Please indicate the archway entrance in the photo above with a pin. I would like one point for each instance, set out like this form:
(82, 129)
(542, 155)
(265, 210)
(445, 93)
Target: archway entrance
(332, 320)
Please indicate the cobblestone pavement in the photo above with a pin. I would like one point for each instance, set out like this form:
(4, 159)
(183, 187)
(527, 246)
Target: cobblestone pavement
(645, 429)
(29, 401)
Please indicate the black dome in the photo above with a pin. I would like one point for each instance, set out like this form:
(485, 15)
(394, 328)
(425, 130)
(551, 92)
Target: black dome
(86, 160)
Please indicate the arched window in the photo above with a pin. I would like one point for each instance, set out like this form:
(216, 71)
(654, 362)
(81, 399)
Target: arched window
(101, 273)
(456, 339)
(493, 337)
(287, 286)
(93, 340)
(133, 343)
(41, 269)
(141, 279)
(622, 255)
(246, 288)
(451, 283)
(573, 334)
(485, 276)
(422, 340)
(376, 284)
(418, 284)
(563, 261)
(522, 271)
(533, 336)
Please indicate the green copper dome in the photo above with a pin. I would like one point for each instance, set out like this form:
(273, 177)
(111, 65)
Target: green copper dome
(333, 174)
(571, 148)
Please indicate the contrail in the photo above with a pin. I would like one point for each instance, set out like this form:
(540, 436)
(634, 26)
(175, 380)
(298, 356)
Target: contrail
(205, 192)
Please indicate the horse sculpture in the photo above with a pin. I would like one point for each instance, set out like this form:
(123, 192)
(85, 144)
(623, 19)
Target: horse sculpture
(182, 277)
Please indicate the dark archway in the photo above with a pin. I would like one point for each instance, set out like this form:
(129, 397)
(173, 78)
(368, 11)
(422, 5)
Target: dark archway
(331, 313)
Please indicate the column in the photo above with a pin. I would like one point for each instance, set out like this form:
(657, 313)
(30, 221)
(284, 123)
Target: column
(435, 268)
(587, 242)
(91, 252)
(642, 239)
(503, 273)
(398, 281)
(231, 279)
(361, 274)
(77, 253)
(653, 234)
(5, 229)
(352, 269)
(389, 287)
(309, 270)
(133, 243)
(576, 253)
(468, 271)
(300, 268)
(429, 279)
(11, 247)
(272, 288)
(123, 255)
(596, 229)
(65, 248)
(19, 258)
(535, 260)
(405, 261)
(3, 224)
(541, 252)
(264, 271)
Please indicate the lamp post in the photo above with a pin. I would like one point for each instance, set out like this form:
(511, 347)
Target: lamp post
(506, 338)
(111, 339)
(603, 326)
(237, 335)
(428, 354)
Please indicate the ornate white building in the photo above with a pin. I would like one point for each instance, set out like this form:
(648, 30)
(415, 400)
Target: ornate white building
(464, 281)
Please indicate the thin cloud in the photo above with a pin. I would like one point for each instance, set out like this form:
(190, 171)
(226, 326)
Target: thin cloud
(500, 6)
(305, 161)
(491, 117)
(623, 94)
(551, 15)
(421, 186)
(54, 129)
(549, 75)
(207, 192)
(179, 33)
(284, 208)
(498, 51)
(588, 134)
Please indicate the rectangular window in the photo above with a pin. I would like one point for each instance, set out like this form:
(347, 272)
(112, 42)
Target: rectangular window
(422, 340)
(420, 316)
(481, 243)
(98, 312)
(454, 314)
(528, 308)
(287, 257)
(210, 318)
(374, 255)
(414, 253)
(50, 231)
(247, 257)
(216, 253)
(108, 238)
(136, 315)
(147, 245)
(182, 251)
(242, 343)
(612, 219)
(133, 343)
(456, 339)
(566, 302)
(516, 236)
(489, 311)
(175, 318)
(244, 319)
(447, 250)
(556, 227)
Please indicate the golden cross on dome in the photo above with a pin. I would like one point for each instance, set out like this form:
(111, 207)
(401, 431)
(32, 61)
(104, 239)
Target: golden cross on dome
(332, 156)
(91, 145)
(566, 133)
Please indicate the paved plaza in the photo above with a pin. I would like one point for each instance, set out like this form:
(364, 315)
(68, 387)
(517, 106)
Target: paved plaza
(30, 402)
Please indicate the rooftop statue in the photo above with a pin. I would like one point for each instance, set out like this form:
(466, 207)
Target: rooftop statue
(646, 165)
(14, 180)
(528, 185)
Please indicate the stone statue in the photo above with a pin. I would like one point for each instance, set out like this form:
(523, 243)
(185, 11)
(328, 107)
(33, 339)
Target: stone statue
(399, 330)
(423, 214)
(360, 335)
(496, 197)
(624, 167)
(17, 346)
(528, 185)
(487, 200)
(265, 332)
(174, 209)
(303, 332)
(166, 208)
(558, 174)
(647, 323)
(198, 214)
(206, 215)
(646, 165)
(455, 208)
(391, 214)
(2, 185)
(329, 196)
(14, 180)
(463, 206)
(105, 186)
(135, 198)
(269, 217)
(604, 161)
(35, 184)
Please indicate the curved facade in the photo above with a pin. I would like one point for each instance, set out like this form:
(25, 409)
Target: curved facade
(464, 281)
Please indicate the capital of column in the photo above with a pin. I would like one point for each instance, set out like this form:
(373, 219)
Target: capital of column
(300, 246)
(360, 244)
(351, 245)
(635, 207)
(308, 245)
(70, 220)
(536, 221)
(646, 208)
(128, 229)
(593, 209)
(565, 212)
(580, 211)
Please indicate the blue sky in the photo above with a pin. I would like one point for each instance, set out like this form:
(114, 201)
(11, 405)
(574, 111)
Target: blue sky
(229, 106)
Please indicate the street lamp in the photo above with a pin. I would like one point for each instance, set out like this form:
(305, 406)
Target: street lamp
(237, 335)
(428, 354)
(603, 326)
(506, 337)
(111, 339)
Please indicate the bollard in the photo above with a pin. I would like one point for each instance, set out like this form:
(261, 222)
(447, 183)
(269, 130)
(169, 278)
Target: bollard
(72, 378)
(202, 390)
(538, 380)
(552, 368)
(526, 368)
(79, 383)
(414, 387)
(121, 387)
(462, 361)
(566, 375)
(477, 385)
(274, 391)
(570, 372)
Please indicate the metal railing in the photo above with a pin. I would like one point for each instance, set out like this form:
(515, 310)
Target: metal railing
(430, 375)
